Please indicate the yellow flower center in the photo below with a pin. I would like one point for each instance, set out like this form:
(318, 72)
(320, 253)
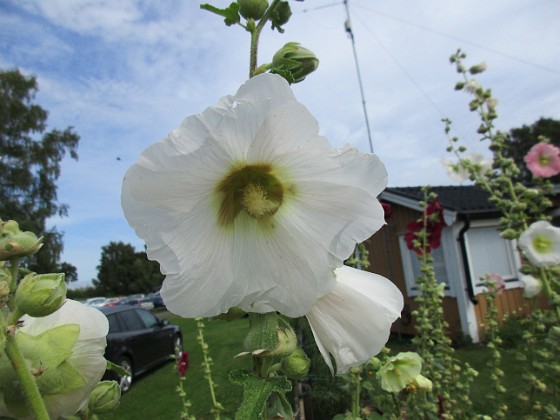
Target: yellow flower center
(251, 188)
(255, 201)
(542, 244)
(544, 160)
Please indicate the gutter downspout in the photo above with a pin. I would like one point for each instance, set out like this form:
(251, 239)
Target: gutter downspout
(461, 239)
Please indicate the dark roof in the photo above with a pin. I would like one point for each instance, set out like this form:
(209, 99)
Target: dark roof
(465, 199)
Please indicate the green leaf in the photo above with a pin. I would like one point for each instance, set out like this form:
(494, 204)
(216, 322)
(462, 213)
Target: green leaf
(256, 392)
(231, 13)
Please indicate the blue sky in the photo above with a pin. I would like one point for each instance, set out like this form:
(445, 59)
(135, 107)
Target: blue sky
(126, 73)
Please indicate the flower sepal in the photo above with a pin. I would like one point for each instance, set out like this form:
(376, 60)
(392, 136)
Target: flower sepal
(267, 339)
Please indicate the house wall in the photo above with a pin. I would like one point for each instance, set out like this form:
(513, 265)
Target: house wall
(509, 302)
(385, 259)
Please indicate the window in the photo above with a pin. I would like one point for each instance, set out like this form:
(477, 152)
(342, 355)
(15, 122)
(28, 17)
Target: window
(149, 320)
(490, 253)
(114, 326)
(131, 321)
(411, 266)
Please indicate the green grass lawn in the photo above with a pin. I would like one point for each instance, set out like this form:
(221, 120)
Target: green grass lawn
(153, 396)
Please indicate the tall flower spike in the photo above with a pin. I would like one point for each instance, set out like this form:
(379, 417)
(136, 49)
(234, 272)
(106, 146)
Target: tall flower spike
(352, 323)
(246, 205)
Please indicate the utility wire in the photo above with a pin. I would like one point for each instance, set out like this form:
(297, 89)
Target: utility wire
(403, 69)
(464, 41)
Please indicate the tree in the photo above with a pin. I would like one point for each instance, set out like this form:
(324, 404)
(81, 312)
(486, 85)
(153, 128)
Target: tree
(123, 271)
(520, 140)
(30, 167)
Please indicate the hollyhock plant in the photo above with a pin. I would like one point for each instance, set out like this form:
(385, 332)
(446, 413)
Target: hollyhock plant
(352, 323)
(435, 223)
(65, 349)
(245, 205)
(543, 160)
(540, 243)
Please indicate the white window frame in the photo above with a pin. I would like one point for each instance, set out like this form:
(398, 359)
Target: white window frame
(514, 260)
(407, 255)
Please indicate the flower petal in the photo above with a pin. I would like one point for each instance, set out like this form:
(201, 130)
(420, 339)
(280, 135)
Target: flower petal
(173, 198)
(540, 243)
(352, 323)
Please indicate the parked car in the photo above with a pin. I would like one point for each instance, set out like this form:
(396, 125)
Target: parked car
(95, 301)
(110, 302)
(139, 300)
(138, 341)
(157, 300)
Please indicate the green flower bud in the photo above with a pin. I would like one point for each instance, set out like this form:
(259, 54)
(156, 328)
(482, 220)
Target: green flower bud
(295, 60)
(399, 371)
(252, 9)
(15, 243)
(509, 234)
(423, 383)
(40, 295)
(375, 363)
(478, 68)
(105, 397)
(281, 15)
(296, 365)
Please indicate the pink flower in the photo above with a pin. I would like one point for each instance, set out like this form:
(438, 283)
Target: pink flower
(183, 363)
(543, 160)
(498, 283)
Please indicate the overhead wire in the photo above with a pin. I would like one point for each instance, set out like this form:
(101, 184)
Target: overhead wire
(462, 40)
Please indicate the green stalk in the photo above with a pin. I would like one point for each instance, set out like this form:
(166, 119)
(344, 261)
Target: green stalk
(356, 396)
(549, 292)
(26, 379)
(255, 35)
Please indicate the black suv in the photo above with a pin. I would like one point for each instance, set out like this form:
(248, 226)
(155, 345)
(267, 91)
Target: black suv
(138, 341)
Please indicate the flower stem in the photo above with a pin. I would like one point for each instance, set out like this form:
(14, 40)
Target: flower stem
(356, 396)
(207, 362)
(255, 34)
(26, 379)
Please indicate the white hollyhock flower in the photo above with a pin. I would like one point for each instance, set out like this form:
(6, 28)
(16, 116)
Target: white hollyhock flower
(352, 323)
(79, 346)
(540, 243)
(531, 286)
(246, 205)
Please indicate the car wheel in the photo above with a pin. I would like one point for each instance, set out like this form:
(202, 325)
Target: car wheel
(125, 381)
(178, 346)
